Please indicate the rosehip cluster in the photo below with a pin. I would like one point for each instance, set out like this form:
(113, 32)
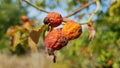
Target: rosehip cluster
(58, 38)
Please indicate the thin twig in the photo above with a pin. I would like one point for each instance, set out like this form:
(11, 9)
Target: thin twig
(96, 10)
(83, 23)
(92, 15)
(91, 42)
(79, 9)
(40, 9)
(91, 52)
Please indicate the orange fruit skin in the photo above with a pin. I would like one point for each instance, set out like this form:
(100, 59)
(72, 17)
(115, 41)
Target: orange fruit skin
(54, 19)
(72, 30)
(55, 40)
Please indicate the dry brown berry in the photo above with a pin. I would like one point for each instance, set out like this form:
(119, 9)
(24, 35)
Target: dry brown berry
(54, 19)
(55, 40)
(72, 30)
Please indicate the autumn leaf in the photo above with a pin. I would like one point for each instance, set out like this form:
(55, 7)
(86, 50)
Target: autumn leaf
(11, 30)
(34, 36)
(16, 34)
(32, 44)
(15, 40)
(91, 31)
(27, 26)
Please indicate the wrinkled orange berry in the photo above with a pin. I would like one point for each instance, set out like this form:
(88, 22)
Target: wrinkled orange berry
(54, 19)
(55, 40)
(72, 30)
(24, 19)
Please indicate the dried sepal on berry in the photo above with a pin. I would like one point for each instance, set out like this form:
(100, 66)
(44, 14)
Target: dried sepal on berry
(50, 52)
(71, 29)
(53, 19)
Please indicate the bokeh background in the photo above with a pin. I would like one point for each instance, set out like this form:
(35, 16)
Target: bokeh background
(102, 52)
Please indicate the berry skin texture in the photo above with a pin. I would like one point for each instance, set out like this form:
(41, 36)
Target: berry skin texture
(54, 19)
(54, 40)
(24, 19)
(72, 30)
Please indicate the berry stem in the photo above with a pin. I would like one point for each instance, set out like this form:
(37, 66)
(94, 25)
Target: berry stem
(79, 9)
(40, 9)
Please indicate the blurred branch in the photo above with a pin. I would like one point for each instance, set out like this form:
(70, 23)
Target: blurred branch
(96, 10)
(79, 9)
(92, 15)
(40, 9)
(83, 23)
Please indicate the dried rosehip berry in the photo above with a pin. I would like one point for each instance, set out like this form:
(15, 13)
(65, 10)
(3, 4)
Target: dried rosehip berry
(54, 19)
(71, 30)
(55, 40)
(24, 19)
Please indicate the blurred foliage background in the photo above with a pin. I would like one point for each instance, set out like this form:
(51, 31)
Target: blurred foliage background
(102, 52)
(10, 13)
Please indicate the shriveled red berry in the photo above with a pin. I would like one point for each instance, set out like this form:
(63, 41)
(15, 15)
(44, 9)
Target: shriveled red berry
(55, 40)
(54, 19)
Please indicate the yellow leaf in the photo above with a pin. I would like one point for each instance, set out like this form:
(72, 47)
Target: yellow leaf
(11, 30)
(16, 40)
(32, 44)
(34, 37)
(35, 34)
(27, 26)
